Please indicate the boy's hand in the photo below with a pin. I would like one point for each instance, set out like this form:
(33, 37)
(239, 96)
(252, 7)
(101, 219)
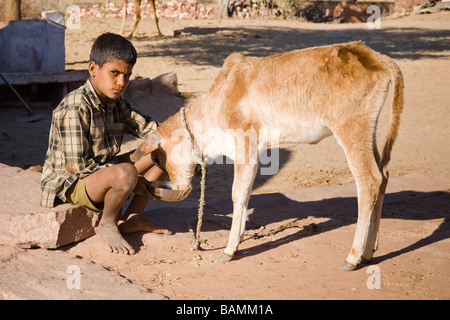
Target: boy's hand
(143, 188)
(70, 168)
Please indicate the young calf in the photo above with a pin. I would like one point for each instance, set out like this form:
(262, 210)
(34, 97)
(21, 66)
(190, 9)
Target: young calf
(299, 96)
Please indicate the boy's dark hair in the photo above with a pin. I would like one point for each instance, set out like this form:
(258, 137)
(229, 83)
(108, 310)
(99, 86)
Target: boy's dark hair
(109, 47)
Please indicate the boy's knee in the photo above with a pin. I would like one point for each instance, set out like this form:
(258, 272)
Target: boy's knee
(125, 174)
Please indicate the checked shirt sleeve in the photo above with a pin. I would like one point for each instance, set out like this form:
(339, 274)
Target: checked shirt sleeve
(74, 133)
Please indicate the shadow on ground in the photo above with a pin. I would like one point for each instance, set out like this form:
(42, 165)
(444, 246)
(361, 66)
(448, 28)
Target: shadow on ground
(274, 208)
(210, 46)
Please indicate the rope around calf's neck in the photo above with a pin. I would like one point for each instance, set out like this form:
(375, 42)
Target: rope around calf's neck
(196, 238)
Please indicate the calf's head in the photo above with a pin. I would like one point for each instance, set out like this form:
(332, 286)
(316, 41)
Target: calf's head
(172, 154)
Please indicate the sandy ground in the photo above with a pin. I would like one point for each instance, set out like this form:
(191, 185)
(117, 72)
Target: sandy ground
(282, 266)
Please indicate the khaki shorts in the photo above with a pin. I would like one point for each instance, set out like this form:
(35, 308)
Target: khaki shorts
(77, 195)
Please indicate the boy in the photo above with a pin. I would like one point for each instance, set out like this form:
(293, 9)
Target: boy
(81, 165)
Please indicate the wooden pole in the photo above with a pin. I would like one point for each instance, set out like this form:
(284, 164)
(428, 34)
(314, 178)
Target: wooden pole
(221, 11)
(12, 10)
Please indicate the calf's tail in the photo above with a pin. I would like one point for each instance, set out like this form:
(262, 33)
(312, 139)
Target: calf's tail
(397, 109)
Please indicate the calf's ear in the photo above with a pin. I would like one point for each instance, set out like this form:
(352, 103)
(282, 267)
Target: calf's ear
(147, 147)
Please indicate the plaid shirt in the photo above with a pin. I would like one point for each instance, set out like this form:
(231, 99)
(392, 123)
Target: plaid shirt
(87, 135)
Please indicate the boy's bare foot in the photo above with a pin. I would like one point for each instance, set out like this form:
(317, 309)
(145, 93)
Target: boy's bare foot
(113, 240)
(137, 222)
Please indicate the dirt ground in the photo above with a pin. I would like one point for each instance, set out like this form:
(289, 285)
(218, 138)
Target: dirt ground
(286, 265)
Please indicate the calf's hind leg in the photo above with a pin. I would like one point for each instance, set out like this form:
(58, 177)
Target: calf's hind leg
(363, 161)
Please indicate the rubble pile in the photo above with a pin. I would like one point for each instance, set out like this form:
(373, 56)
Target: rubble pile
(320, 11)
(245, 9)
(168, 9)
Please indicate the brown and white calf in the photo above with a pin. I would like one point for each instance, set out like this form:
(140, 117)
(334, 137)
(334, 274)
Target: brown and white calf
(303, 96)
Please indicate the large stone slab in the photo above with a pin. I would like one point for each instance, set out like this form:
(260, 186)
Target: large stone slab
(145, 87)
(63, 225)
(56, 275)
(24, 78)
(24, 223)
(38, 274)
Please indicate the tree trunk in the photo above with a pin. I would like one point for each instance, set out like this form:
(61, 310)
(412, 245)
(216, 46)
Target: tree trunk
(12, 10)
(222, 9)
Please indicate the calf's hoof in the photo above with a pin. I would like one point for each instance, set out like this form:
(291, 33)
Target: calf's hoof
(225, 258)
(347, 266)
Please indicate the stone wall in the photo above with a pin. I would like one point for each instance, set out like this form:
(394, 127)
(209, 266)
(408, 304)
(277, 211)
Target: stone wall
(31, 9)
(343, 11)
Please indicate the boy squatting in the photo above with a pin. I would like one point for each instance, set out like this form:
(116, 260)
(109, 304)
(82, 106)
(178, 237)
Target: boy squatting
(81, 165)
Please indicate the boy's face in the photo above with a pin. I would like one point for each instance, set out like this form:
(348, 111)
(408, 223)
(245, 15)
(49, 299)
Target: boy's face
(111, 80)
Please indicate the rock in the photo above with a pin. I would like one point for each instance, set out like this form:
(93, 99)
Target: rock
(63, 225)
(40, 274)
(165, 84)
(54, 275)
(24, 223)
(144, 87)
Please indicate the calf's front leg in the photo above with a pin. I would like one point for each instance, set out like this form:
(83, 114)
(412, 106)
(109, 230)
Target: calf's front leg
(244, 176)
